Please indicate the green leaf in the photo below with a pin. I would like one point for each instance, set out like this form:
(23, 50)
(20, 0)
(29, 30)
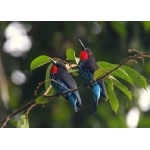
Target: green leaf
(109, 83)
(135, 76)
(13, 122)
(111, 96)
(118, 73)
(23, 122)
(122, 87)
(47, 80)
(39, 61)
(70, 55)
(47, 77)
(41, 100)
(100, 72)
(77, 60)
(74, 72)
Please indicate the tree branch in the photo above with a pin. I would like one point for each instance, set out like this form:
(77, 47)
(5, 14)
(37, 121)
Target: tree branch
(17, 112)
(125, 61)
(33, 103)
(109, 72)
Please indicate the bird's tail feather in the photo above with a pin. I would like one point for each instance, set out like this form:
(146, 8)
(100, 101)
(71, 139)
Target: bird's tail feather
(103, 93)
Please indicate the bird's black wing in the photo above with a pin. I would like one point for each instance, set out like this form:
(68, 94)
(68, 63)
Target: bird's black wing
(70, 83)
(93, 66)
(91, 63)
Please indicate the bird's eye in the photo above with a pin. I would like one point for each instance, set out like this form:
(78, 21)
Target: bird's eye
(58, 65)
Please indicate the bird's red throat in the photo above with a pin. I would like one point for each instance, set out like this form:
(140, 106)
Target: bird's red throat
(54, 69)
(83, 55)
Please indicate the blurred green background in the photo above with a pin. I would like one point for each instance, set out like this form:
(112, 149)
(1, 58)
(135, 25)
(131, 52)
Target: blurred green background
(21, 42)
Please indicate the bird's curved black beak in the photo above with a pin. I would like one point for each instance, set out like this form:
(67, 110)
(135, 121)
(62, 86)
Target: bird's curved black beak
(53, 61)
(83, 47)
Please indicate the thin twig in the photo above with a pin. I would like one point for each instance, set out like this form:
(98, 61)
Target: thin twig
(29, 108)
(68, 66)
(135, 51)
(18, 111)
(4, 124)
(37, 88)
(125, 61)
(48, 89)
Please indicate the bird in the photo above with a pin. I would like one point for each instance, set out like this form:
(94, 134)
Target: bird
(87, 66)
(62, 81)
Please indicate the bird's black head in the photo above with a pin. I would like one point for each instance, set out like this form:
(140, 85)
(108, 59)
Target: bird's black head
(57, 66)
(85, 52)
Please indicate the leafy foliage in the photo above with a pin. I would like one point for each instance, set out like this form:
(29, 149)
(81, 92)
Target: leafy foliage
(39, 61)
(122, 87)
(126, 73)
(136, 77)
(41, 100)
(121, 73)
(107, 72)
(70, 55)
(23, 122)
(51, 39)
(113, 100)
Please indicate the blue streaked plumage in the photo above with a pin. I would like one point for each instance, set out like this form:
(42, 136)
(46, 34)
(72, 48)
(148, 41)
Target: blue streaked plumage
(63, 81)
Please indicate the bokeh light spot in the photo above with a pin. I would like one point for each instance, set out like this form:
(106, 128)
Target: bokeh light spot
(132, 117)
(18, 42)
(96, 29)
(18, 77)
(144, 99)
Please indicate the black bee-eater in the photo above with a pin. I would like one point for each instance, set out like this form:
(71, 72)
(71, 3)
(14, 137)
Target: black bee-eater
(63, 81)
(87, 66)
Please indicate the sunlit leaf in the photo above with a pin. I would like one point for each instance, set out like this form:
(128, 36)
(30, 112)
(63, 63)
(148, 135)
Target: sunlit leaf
(118, 73)
(109, 83)
(70, 55)
(39, 61)
(136, 77)
(41, 100)
(23, 122)
(77, 60)
(111, 96)
(122, 87)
